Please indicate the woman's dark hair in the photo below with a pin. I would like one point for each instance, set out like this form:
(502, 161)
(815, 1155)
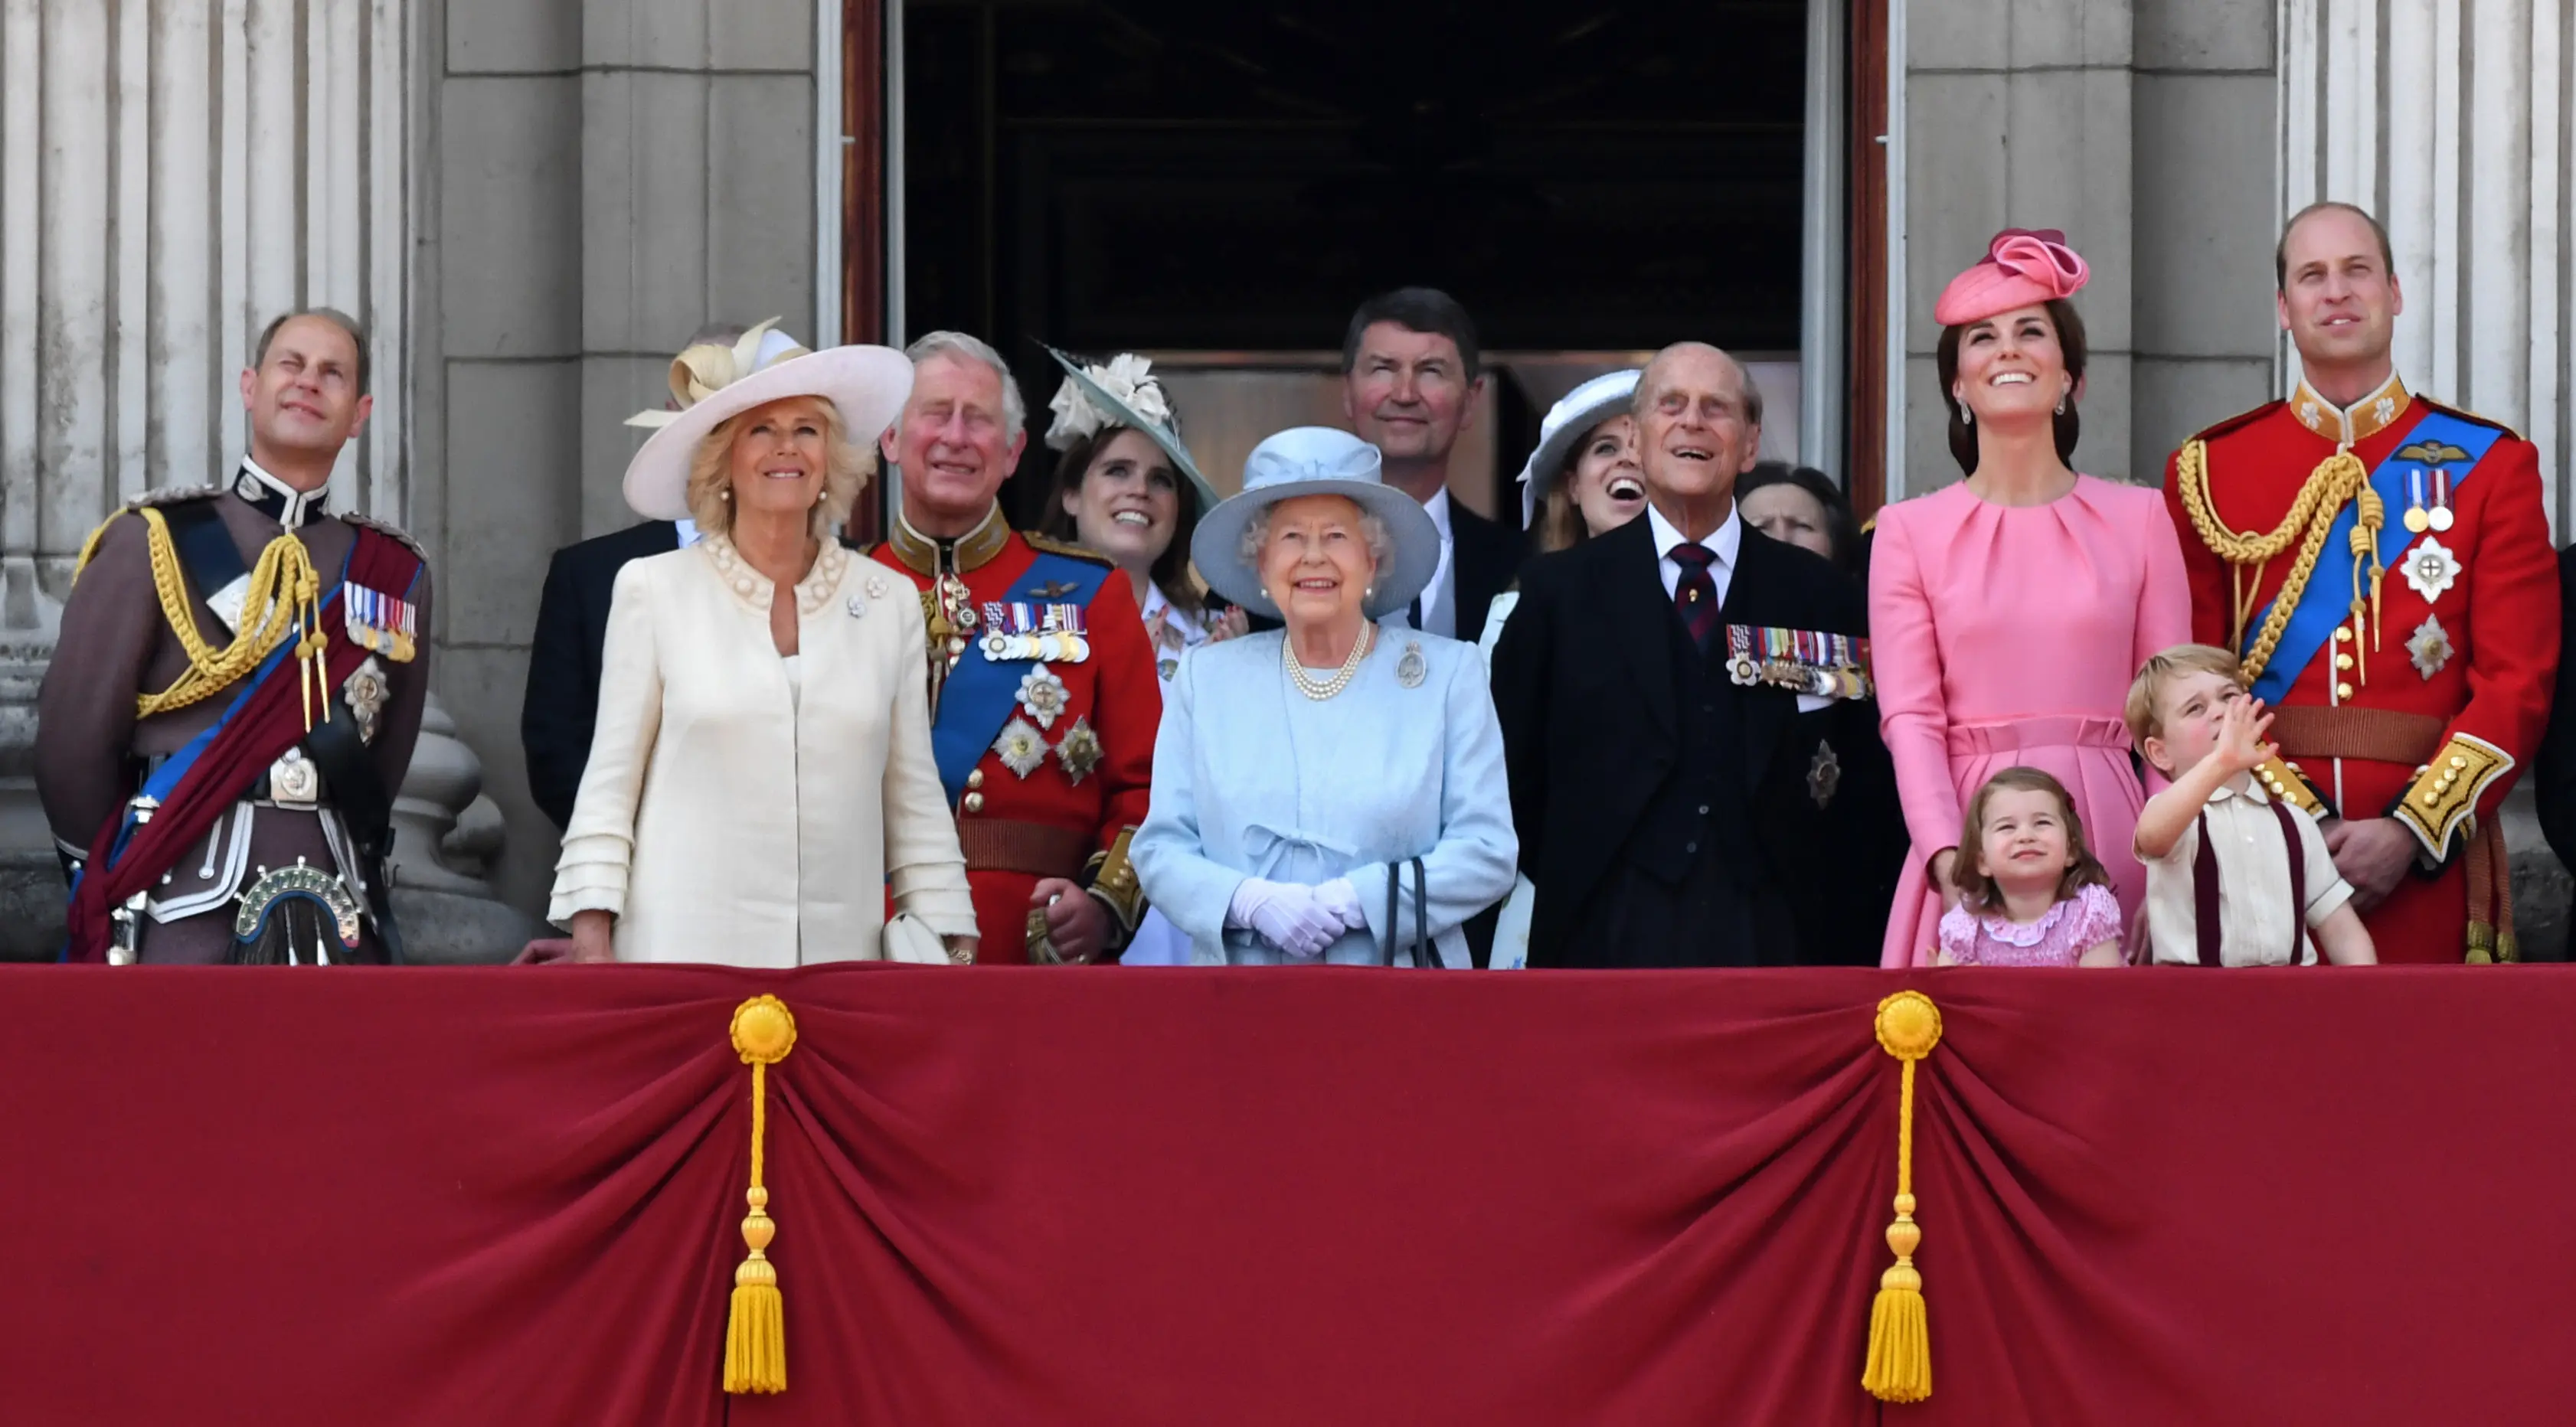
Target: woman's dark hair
(1839, 525)
(2068, 423)
(1171, 572)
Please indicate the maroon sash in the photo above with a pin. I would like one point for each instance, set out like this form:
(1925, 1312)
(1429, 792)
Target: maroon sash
(2204, 890)
(267, 720)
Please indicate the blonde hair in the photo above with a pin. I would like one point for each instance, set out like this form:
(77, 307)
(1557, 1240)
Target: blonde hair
(847, 468)
(1978, 889)
(2142, 716)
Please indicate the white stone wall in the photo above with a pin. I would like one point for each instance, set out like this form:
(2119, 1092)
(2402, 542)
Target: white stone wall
(2452, 122)
(172, 174)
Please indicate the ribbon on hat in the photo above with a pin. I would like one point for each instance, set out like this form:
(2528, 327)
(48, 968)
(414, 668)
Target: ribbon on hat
(2041, 255)
(709, 367)
(1358, 461)
(1126, 378)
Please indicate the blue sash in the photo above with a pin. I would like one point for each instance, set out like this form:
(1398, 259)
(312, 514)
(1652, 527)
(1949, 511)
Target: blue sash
(981, 692)
(2327, 601)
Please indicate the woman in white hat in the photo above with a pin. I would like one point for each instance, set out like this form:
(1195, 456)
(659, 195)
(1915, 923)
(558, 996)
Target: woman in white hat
(1583, 480)
(1354, 808)
(762, 773)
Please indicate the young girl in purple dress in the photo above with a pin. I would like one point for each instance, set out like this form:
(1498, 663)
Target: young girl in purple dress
(2031, 894)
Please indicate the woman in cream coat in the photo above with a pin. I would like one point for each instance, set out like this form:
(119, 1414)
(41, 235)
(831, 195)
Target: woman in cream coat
(762, 773)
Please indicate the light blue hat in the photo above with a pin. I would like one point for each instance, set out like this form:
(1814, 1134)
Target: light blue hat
(1569, 421)
(1316, 460)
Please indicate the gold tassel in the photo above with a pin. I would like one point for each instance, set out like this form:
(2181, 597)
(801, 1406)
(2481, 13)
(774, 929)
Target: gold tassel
(1899, 1368)
(756, 1325)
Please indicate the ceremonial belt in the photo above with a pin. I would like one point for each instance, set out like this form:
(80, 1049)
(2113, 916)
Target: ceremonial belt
(2374, 735)
(1009, 845)
(350, 778)
(2411, 741)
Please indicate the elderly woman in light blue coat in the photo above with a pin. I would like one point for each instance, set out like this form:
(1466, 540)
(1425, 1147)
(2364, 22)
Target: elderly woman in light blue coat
(1332, 791)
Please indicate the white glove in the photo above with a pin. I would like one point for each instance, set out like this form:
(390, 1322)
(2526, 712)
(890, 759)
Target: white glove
(1284, 914)
(1341, 901)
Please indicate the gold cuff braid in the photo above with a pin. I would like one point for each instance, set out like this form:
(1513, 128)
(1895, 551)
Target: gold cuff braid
(2288, 785)
(2444, 797)
(2339, 478)
(1112, 878)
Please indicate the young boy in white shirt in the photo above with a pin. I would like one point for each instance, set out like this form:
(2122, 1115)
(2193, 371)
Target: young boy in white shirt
(2234, 877)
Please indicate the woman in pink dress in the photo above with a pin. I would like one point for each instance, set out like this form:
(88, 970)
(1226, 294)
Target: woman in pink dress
(2009, 612)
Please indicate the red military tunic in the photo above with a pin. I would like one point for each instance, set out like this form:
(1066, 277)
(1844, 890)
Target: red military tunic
(2465, 637)
(1056, 791)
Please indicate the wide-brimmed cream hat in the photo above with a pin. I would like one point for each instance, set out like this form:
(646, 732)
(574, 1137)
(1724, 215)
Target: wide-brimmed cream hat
(1573, 416)
(1316, 460)
(713, 382)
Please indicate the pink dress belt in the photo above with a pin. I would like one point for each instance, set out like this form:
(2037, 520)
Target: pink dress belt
(2067, 731)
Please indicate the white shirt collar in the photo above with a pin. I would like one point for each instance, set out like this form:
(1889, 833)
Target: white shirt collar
(1724, 542)
(292, 507)
(1438, 507)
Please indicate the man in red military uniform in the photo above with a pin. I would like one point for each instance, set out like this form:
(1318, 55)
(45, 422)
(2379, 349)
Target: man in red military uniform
(2382, 563)
(1043, 695)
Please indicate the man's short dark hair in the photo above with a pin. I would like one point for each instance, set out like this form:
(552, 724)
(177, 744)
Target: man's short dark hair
(2281, 249)
(332, 315)
(1416, 309)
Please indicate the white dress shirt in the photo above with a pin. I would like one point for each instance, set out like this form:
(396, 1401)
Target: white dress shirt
(1439, 602)
(688, 532)
(1725, 543)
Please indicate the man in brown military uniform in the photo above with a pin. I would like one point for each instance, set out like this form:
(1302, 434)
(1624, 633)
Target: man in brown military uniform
(236, 691)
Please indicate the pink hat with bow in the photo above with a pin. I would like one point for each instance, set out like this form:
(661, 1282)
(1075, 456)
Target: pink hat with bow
(2020, 267)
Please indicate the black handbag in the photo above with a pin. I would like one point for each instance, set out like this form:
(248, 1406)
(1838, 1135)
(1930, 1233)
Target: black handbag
(1423, 952)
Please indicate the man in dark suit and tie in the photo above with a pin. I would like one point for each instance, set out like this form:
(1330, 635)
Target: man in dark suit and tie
(1677, 697)
(1410, 380)
(562, 702)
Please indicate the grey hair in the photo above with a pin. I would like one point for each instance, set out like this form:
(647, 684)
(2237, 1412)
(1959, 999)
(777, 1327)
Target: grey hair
(1641, 400)
(958, 345)
(1256, 536)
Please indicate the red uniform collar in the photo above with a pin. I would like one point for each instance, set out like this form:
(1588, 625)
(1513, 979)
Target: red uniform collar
(925, 554)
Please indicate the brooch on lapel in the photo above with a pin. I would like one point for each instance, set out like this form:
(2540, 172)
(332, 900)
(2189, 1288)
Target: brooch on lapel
(1080, 751)
(1411, 669)
(1021, 747)
(1805, 661)
(1824, 775)
(1042, 694)
(856, 605)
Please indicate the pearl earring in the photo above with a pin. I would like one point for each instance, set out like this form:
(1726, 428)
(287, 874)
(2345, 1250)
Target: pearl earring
(725, 494)
(1967, 414)
(2061, 403)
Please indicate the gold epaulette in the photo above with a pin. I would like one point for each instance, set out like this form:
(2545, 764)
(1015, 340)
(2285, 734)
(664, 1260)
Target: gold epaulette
(1066, 548)
(2286, 784)
(2444, 796)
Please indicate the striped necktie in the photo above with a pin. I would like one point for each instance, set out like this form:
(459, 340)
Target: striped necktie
(1696, 595)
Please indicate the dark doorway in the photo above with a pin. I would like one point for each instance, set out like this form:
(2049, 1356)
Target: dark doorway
(1145, 174)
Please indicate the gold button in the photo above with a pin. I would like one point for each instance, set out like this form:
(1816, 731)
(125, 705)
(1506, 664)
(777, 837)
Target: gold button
(2343, 634)
(975, 779)
(2343, 691)
(974, 802)
(2343, 661)
(2430, 799)
(2459, 760)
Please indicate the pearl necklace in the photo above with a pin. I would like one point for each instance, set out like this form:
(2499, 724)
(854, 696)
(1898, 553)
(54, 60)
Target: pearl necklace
(1341, 680)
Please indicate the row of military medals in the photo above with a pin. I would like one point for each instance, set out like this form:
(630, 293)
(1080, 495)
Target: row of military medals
(1829, 666)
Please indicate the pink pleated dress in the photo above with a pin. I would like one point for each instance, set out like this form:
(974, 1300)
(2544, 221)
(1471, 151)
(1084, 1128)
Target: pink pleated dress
(2006, 635)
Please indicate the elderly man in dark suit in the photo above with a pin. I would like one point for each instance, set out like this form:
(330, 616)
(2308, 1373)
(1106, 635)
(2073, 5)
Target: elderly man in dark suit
(1684, 709)
(562, 701)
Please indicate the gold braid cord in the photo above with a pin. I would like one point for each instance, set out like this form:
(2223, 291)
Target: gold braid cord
(2339, 478)
(283, 588)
